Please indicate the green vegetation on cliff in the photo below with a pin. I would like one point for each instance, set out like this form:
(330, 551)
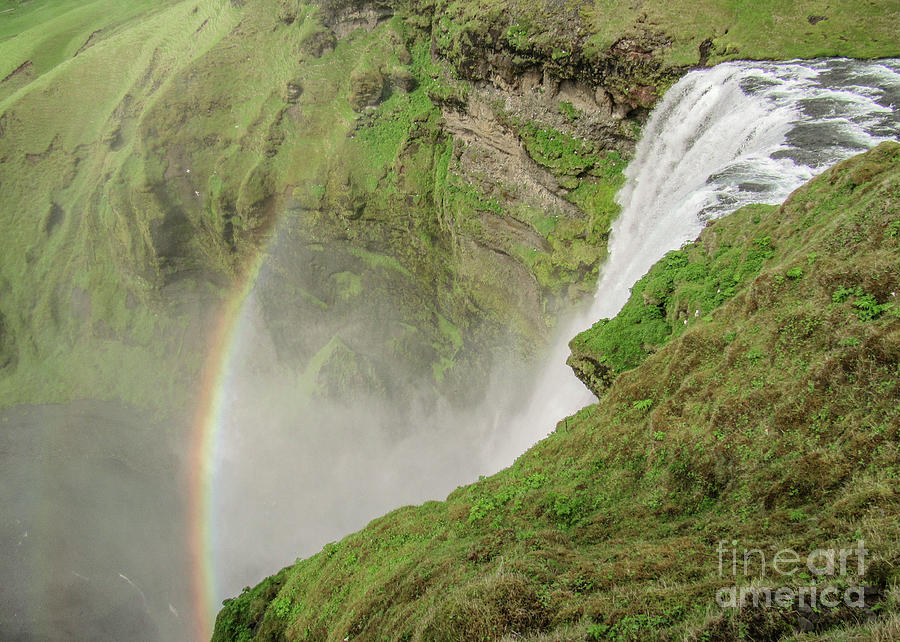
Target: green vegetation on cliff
(769, 421)
(639, 45)
(150, 150)
(82, 308)
(685, 285)
(149, 154)
(441, 174)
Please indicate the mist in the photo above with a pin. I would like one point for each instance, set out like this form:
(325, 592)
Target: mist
(97, 524)
(294, 471)
(92, 540)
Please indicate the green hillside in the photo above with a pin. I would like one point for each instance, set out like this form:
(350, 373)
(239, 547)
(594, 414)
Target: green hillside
(770, 421)
(149, 150)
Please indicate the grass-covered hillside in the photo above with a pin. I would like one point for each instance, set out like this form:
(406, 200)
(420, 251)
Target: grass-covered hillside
(674, 33)
(450, 164)
(769, 420)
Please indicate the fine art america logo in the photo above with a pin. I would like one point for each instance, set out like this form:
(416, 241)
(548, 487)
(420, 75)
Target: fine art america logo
(842, 566)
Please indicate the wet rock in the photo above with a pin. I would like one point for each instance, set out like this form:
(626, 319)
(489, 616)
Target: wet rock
(403, 80)
(530, 81)
(643, 96)
(550, 84)
(604, 101)
(346, 22)
(578, 94)
(635, 98)
(588, 368)
(704, 51)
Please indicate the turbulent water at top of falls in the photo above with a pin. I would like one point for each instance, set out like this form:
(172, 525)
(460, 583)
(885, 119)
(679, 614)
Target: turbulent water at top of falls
(736, 134)
(720, 138)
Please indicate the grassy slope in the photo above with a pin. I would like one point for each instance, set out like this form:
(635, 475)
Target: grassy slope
(754, 30)
(772, 419)
(573, 35)
(47, 34)
(687, 284)
(81, 311)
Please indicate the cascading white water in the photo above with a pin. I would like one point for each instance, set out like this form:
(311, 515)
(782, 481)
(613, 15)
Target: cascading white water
(736, 134)
(721, 138)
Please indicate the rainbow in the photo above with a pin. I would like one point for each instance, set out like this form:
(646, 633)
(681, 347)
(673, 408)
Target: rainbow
(206, 428)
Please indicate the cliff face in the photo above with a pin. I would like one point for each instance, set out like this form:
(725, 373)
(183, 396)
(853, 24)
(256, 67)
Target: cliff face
(467, 214)
(770, 421)
(458, 170)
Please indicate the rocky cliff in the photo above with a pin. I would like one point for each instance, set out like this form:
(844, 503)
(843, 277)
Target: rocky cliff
(453, 163)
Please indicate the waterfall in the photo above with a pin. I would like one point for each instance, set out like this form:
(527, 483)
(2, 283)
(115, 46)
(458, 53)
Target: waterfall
(736, 134)
(721, 138)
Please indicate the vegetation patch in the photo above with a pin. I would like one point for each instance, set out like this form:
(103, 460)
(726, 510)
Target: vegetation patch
(682, 289)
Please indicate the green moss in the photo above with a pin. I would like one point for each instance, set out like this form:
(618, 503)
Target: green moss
(569, 111)
(348, 284)
(450, 343)
(379, 261)
(682, 288)
(561, 153)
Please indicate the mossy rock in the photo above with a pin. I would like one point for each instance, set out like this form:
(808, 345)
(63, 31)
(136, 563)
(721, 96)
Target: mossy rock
(367, 87)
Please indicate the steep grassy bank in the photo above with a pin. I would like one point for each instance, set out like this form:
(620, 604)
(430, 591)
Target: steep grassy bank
(769, 421)
(84, 310)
